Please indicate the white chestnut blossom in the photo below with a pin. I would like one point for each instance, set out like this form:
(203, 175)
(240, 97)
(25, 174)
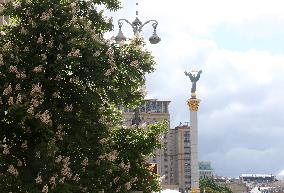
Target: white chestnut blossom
(85, 162)
(66, 171)
(26, 49)
(12, 170)
(38, 179)
(115, 180)
(134, 63)
(74, 52)
(61, 181)
(35, 102)
(7, 90)
(45, 189)
(24, 145)
(97, 53)
(58, 57)
(40, 39)
(108, 72)
(18, 87)
(36, 90)
(56, 94)
(74, 6)
(110, 52)
(50, 44)
(6, 150)
(45, 117)
(30, 110)
(16, 5)
(52, 182)
(68, 108)
(8, 45)
(58, 159)
(76, 178)
(103, 141)
(43, 56)
(127, 185)
(10, 101)
(1, 60)
(13, 69)
(19, 99)
(60, 133)
(24, 31)
(21, 75)
(38, 69)
(46, 15)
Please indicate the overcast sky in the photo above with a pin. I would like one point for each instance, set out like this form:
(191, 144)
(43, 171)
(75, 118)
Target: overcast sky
(239, 45)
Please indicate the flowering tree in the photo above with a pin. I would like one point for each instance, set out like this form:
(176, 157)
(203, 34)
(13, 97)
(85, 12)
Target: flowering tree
(210, 186)
(60, 84)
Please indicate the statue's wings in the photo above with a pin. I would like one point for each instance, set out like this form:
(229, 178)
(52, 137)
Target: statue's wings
(189, 75)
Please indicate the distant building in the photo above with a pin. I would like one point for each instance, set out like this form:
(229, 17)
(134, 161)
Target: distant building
(150, 111)
(257, 178)
(174, 161)
(177, 157)
(205, 169)
(237, 187)
(4, 19)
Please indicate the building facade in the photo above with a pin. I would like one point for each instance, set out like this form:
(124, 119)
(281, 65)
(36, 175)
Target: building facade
(174, 160)
(150, 111)
(205, 169)
(257, 178)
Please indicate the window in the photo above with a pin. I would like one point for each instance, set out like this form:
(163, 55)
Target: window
(142, 108)
(186, 136)
(187, 149)
(159, 107)
(165, 110)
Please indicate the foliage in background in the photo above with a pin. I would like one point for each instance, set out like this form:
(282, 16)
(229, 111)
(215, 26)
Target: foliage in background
(60, 84)
(208, 185)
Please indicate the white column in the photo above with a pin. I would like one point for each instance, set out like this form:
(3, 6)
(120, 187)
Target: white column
(193, 104)
(194, 150)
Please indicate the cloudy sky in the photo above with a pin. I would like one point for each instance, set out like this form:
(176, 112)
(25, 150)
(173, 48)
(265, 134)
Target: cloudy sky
(239, 45)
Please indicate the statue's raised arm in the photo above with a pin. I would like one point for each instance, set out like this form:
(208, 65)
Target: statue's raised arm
(198, 75)
(189, 75)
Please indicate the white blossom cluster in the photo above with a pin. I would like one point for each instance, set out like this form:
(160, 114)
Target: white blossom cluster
(46, 15)
(109, 156)
(38, 69)
(1, 60)
(74, 52)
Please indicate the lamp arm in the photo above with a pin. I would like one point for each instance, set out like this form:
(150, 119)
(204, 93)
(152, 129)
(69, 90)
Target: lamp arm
(121, 20)
(155, 24)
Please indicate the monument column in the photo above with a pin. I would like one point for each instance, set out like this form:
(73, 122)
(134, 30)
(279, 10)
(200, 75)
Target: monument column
(193, 104)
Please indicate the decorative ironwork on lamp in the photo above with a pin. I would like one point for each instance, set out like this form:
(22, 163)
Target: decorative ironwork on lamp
(137, 26)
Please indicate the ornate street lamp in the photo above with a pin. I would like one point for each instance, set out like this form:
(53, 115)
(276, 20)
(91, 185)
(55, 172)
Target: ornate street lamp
(137, 26)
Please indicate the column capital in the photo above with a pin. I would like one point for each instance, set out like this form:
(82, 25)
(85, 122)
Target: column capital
(195, 190)
(193, 104)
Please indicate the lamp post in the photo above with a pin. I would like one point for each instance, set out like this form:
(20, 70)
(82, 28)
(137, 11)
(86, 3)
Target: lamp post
(137, 27)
